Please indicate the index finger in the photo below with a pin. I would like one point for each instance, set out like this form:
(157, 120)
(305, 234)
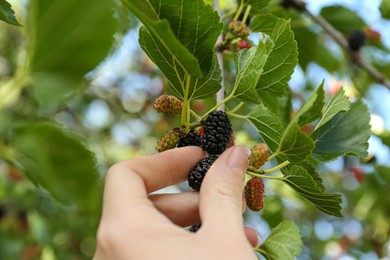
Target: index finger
(130, 181)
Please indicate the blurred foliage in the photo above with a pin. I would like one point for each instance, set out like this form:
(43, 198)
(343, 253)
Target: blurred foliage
(75, 97)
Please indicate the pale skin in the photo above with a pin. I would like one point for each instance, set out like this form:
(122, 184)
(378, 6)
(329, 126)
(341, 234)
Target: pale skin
(137, 225)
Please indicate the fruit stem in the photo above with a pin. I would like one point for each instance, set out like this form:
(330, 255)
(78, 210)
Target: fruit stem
(236, 108)
(277, 167)
(236, 115)
(217, 105)
(239, 10)
(186, 111)
(265, 176)
(273, 155)
(195, 114)
(248, 9)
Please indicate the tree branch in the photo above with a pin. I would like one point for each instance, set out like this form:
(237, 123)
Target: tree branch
(342, 41)
(221, 92)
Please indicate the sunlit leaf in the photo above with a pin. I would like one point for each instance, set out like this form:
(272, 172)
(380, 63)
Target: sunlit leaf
(281, 61)
(301, 181)
(268, 125)
(249, 66)
(312, 109)
(7, 14)
(284, 242)
(295, 144)
(162, 33)
(339, 102)
(346, 133)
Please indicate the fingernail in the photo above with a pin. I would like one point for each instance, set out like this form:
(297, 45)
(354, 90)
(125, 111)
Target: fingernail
(238, 158)
(258, 241)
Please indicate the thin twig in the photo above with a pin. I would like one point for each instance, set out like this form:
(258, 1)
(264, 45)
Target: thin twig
(342, 41)
(221, 93)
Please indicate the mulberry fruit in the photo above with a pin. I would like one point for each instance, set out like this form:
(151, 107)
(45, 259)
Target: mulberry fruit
(356, 40)
(195, 227)
(169, 141)
(168, 104)
(190, 139)
(217, 132)
(196, 176)
(254, 194)
(259, 155)
(238, 29)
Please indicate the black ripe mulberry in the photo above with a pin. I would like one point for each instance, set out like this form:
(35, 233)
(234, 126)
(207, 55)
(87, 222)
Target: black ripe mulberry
(196, 176)
(356, 40)
(195, 227)
(190, 139)
(217, 132)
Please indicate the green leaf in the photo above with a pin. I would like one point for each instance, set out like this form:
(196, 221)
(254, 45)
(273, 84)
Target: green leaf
(264, 23)
(257, 5)
(346, 133)
(385, 9)
(207, 85)
(284, 242)
(58, 161)
(295, 145)
(312, 109)
(384, 136)
(281, 61)
(163, 35)
(300, 180)
(7, 14)
(268, 125)
(202, 87)
(179, 37)
(249, 66)
(311, 169)
(342, 18)
(339, 102)
(67, 39)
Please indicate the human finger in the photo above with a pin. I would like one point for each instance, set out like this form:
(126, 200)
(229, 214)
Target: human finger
(181, 208)
(129, 182)
(221, 191)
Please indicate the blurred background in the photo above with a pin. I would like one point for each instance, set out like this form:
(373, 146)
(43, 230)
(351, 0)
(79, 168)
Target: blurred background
(78, 65)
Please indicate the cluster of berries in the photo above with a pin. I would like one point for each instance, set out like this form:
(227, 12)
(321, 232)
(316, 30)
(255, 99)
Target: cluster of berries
(215, 134)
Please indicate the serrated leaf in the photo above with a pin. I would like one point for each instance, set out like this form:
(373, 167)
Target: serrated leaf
(294, 144)
(312, 109)
(257, 5)
(58, 161)
(268, 125)
(7, 14)
(339, 102)
(67, 39)
(301, 181)
(264, 23)
(343, 19)
(311, 169)
(284, 242)
(192, 25)
(202, 87)
(162, 33)
(385, 9)
(346, 133)
(281, 61)
(249, 66)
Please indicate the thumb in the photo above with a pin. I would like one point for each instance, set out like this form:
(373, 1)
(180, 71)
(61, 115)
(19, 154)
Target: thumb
(221, 192)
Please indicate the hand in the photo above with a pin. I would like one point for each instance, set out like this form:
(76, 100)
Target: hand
(137, 225)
